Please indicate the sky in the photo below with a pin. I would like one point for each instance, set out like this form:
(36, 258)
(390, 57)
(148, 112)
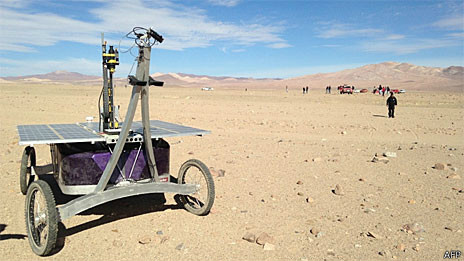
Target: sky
(240, 38)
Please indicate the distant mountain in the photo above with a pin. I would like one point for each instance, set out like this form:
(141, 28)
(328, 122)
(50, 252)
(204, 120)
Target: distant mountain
(58, 76)
(393, 74)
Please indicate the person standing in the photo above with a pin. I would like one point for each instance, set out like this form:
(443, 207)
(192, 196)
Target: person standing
(391, 103)
(286, 88)
(330, 89)
(307, 89)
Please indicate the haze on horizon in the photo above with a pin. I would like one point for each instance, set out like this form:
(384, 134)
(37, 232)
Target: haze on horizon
(276, 39)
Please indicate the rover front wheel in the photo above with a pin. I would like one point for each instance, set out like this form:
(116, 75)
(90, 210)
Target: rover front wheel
(195, 172)
(41, 218)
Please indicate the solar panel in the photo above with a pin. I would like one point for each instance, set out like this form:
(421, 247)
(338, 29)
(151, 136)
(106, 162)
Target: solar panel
(89, 132)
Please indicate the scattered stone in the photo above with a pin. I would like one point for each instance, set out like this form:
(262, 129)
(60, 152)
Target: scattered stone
(264, 238)
(299, 182)
(373, 235)
(414, 228)
(309, 200)
(330, 252)
(114, 230)
(249, 237)
(390, 154)
(416, 248)
(401, 247)
(338, 190)
(314, 231)
(384, 253)
(300, 194)
(454, 169)
(380, 159)
(159, 232)
(190, 152)
(164, 239)
(453, 176)
(221, 173)
(361, 179)
(449, 228)
(317, 159)
(343, 133)
(269, 247)
(411, 201)
(369, 210)
(357, 245)
(180, 247)
(144, 240)
(440, 166)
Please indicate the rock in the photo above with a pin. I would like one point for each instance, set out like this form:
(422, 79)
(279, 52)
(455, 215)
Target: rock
(159, 232)
(380, 159)
(357, 245)
(343, 133)
(309, 200)
(269, 247)
(411, 201)
(249, 237)
(414, 228)
(416, 248)
(299, 182)
(114, 230)
(369, 210)
(454, 169)
(117, 243)
(221, 173)
(453, 176)
(163, 239)
(449, 228)
(401, 247)
(317, 159)
(314, 231)
(373, 235)
(264, 238)
(440, 166)
(300, 194)
(180, 247)
(390, 154)
(144, 240)
(190, 153)
(384, 253)
(338, 190)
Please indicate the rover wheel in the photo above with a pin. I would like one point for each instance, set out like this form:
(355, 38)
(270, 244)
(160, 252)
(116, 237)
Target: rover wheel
(41, 218)
(195, 172)
(27, 162)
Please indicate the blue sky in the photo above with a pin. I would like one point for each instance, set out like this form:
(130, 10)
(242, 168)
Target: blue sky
(232, 37)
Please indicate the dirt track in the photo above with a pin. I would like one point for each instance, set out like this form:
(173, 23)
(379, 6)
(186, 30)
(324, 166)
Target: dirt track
(266, 141)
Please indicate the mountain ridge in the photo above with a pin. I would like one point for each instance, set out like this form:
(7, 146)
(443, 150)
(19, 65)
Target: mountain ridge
(403, 75)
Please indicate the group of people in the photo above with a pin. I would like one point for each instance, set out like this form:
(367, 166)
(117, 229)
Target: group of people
(328, 89)
(382, 90)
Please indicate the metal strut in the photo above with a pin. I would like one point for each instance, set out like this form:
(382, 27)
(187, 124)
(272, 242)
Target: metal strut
(143, 69)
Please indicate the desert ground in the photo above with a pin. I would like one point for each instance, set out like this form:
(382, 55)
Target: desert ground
(283, 155)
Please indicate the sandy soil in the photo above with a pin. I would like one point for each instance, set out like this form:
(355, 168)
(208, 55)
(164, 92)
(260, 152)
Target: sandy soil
(267, 141)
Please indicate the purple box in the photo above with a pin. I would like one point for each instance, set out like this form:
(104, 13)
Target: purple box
(83, 164)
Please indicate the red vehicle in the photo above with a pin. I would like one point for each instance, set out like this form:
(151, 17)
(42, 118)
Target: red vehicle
(345, 89)
(395, 91)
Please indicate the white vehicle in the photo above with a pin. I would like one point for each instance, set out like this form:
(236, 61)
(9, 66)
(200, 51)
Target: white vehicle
(207, 89)
(402, 91)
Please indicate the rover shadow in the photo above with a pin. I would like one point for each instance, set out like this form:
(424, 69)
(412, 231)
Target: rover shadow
(9, 236)
(380, 116)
